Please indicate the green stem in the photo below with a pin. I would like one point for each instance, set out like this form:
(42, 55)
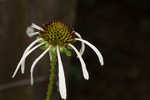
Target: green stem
(51, 77)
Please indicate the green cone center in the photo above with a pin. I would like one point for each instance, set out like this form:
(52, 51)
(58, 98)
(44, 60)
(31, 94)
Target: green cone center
(57, 33)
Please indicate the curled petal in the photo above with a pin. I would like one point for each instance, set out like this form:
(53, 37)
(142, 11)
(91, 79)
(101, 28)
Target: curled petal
(37, 27)
(30, 32)
(61, 76)
(100, 57)
(83, 65)
(22, 59)
(82, 44)
(26, 50)
(35, 62)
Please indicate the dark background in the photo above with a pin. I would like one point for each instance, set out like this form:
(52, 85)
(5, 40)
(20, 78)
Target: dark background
(119, 29)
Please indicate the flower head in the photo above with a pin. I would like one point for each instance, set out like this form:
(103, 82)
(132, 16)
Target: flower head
(57, 33)
(58, 37)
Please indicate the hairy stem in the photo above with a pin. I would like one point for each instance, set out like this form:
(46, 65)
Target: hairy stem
(52, 76)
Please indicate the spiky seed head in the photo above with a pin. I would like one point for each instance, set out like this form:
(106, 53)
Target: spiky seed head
(57, 33)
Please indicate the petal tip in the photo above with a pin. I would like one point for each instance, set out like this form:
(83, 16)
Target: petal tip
(102, 62)
(12, 76)
(32, 83)
(87, 78)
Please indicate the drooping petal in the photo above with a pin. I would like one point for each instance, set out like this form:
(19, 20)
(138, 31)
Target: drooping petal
(61, 76)
(100, 57)
(23, 58)
(23, 62)
(37, 27)
(30, 32)
(35, 62)
(83, 65)
(26, 50)
(82, 44)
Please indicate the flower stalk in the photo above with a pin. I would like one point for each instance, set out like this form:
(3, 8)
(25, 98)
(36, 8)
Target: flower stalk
(52, 75)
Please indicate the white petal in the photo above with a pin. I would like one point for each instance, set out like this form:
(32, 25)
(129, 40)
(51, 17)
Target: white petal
(22, 59)
(30, 32)
(27, 49)
(61, 76)
(100, 57)
(37, 27)
(83, 65)
(23, 62)
(35, 62)
(82, 44)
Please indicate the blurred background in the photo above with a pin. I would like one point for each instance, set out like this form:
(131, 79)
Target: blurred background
(118, 28)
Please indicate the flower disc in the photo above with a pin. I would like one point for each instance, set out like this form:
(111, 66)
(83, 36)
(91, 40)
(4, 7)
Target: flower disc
(57, 33)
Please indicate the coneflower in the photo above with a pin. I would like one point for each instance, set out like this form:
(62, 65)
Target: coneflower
(54, 38)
